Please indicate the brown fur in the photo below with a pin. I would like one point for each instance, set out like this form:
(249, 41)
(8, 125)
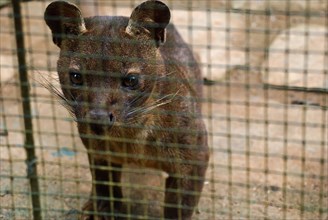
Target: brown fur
(155, 124)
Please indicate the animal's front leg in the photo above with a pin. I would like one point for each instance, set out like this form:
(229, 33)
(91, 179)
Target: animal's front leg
(106, 193)
(182, 193)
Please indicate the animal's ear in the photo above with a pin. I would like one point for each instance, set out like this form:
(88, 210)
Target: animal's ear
(64, 19)
(150, 19)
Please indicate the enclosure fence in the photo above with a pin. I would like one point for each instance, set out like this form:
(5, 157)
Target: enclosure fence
(264, 103)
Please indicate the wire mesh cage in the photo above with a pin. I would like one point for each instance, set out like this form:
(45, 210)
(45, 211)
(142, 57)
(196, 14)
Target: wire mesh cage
(115, 117)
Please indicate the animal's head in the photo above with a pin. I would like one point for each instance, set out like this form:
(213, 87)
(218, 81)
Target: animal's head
(108, 66)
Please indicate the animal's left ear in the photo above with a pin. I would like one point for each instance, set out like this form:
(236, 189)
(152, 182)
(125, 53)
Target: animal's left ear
(150, 19)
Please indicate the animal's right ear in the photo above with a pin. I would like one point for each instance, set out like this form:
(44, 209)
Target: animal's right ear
(64, 19)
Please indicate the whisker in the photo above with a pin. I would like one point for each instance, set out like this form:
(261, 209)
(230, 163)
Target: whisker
(54, 90)
(148, 108)
(136, 99)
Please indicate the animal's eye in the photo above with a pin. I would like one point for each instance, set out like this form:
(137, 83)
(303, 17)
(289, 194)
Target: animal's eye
(76, 78)
(130, 81)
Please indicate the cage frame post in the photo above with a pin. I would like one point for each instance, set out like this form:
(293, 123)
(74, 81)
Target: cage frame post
(31, 159)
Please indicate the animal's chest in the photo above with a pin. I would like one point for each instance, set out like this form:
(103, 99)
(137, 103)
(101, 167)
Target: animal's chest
(144, 149)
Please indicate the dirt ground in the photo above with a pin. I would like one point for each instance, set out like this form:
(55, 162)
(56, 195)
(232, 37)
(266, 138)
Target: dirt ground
(269, 148)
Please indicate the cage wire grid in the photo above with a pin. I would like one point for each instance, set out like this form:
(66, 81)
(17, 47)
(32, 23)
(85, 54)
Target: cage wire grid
(265, 83)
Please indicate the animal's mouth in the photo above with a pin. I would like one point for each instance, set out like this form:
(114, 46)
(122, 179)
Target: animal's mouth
(98, 129)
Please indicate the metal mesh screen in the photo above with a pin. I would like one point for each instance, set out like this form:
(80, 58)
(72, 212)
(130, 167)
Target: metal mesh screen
(264, 68)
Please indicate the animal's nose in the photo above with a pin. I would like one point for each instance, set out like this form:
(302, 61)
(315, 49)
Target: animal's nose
(99, 119)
